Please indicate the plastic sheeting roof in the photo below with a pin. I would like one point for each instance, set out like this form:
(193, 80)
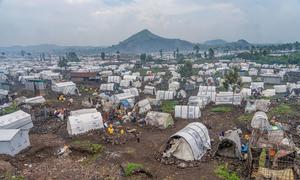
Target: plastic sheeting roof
(196, 135)
(16, 120)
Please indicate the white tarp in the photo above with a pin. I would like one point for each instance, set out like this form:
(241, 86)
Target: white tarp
(260, 121)
(150, 90)
(65, 88)
(262, 105)
(174, 86)
(269, 92)
(12, 141)
(228, 98)
(16, 120)
(114, 79)
(246, 79)
(133, 91)
(280, 88)
(201, 102)
(144, 106)
(107, 87)
(82, 123)
(256, 85)
(125, 83)
(159, 119)
(245, 93)
(209, 91)
(35, 100)
(190, 143)
(187, 112)
(122, 96)
(165, 95)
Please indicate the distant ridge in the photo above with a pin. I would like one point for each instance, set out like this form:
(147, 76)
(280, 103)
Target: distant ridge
(215, 42)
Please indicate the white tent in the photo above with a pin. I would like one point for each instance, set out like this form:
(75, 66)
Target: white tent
(228, 98)
(144, 106)
(256, 85)
(187, 112)
(174, 86)
(108, 87)
(165, 95)
(12, 141)
(280, 88)
(16, 120)
(245, 93)
(122, 96)
(114, 79)
(133, 91)
(150, 90)
(246, 79)
(190, 143)
(130, 77)
(82, 122)
(201, 102)
(159, 119)
(125, 83)
(209, 91)
(65, 88)
(230, 145)
(269, 92)
(35, 100)
(260, 121)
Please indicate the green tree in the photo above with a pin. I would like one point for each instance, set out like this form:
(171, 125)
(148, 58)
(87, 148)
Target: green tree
(72, 57)
(205, 55)
(211, 53)
(232, 80)
(118, 55)
(196, 48)
(149, 58)
(186, 70)
(161, 54)
(143, 57)
(63, 62)
(102, 55)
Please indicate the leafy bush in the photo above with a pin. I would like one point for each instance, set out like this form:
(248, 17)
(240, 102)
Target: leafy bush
(223, 173)
(168, 106)
(88, 146)
(12, 108)
(221, 109)
(245, 118)
(131, 167)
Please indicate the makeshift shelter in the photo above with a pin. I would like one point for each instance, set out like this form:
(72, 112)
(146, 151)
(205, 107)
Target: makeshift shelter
(16, 120)
(114, 79)
(3, 95)
(108, 87)
(245, 93)
(66, 88)
(246, 79)
(260, 121)
(130, 77)
(230, 145)
(12, 141)
(209, 91)
(37, 86)
(144, 106)
(190, 143)
(280, 88)
(181, 94)
(271, 78)
(133, 91)
(125, 83)
(122, 96)
(159, 119)
(257, 85)
(262, 105)
(150, 90)
(165, 95)
(268, 92)
(83, 121)
(35, 100)
(174, 86)
(201, 102)
(187, 112)
(228, 98)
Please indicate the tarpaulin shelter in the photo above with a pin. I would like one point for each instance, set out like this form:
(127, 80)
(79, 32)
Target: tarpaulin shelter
(230, 145)
(67, 88)
(144, 106)
(165, 95)
(16, 120)
(150, 90)
(83, 121)
(159, 119)
(108, 87)
(260, 121)
(187, 112)
(228, 98)
(190, 143)
(114, 79)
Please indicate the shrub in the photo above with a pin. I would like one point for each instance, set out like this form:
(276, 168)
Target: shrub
(168, 106)
(282, 109)
(223, 173)
(131, 167)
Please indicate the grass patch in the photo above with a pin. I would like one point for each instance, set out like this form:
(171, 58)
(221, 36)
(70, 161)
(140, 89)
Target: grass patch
(221, 109)
(131, 167)
(282, 109)
(168, 106)
(223, 173)
(10, 109)
(88, 146)
(245, 118)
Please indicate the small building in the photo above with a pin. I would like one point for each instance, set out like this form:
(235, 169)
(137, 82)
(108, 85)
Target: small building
(12, 141)
(83, 76)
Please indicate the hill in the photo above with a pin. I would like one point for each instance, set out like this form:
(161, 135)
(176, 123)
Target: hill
(146, 41)
(215, 42)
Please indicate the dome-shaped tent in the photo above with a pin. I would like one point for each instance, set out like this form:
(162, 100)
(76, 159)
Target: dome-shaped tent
(190, 143)
(260, 121)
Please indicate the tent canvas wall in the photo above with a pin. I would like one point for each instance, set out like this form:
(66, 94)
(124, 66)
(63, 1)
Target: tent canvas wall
(269, 92)
(159, 119)
(280, 88)
(133, 91)
(12, 141)
(260, 121)
(165, 95)
(228, 98)
(174, 86)
(201, 102)
(144, 106)
(150, 90)
(108, 87)
(83, 111)
(230, 145)
(256, 85)
(190, 143)
(35, 100)
(114, 79)
(65, 88)
(125, 83)
(209, 91)
(82, 123)
(16, 120)
(187, 112)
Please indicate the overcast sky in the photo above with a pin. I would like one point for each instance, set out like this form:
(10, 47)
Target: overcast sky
(106, 22)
